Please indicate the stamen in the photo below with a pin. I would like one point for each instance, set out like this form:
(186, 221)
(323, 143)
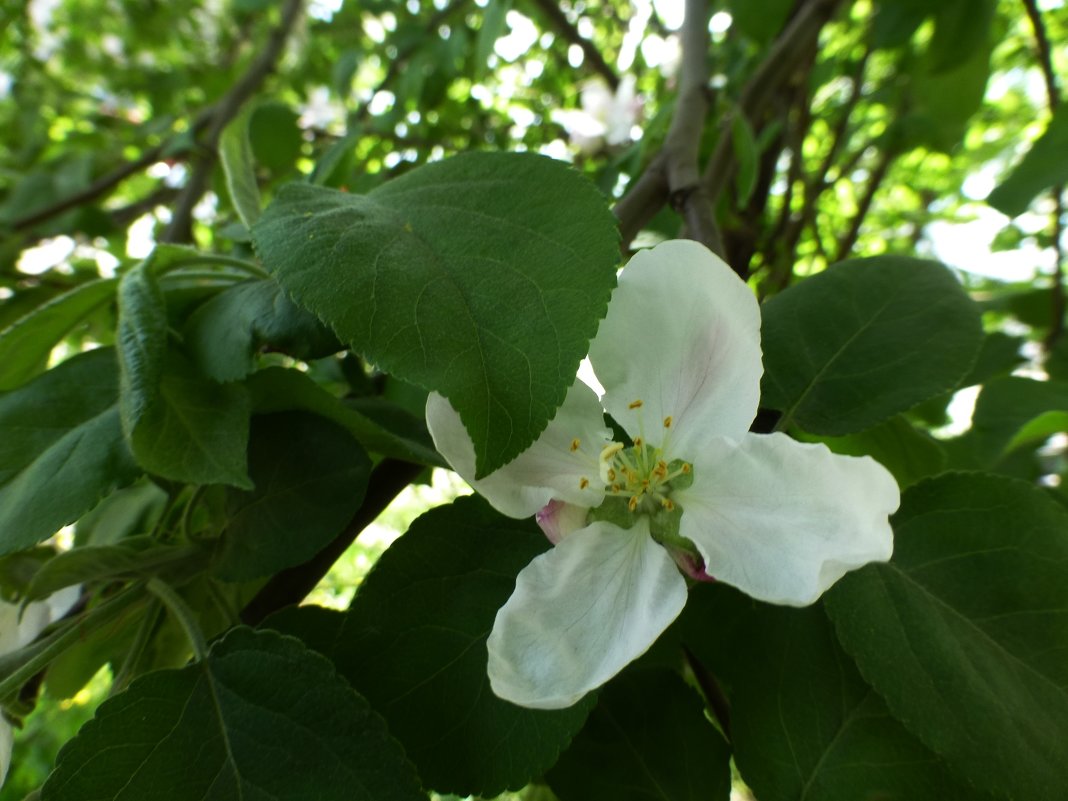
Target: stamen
(667, 421)
(638, 442)
(584, 482)
(635, 404)
(686, 468)
(668, 504)
(611, 474)
(632, 504)
(610, 450)
(575, 444)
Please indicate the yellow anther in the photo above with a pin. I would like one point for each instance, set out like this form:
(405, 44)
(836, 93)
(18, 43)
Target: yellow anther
(661, 468)
(645, 482)
(575, 444)
(638, 442)
(635, 405)
(611, 474)
(632, 477)
(686, 467)
(584, 482)
(667, 421)
(610, 450)
(632, 504)
(617, 488)
(668, 504)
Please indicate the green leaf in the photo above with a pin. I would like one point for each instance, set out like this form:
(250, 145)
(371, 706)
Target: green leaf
(62, 448)
(1010, 411)
(760, 20)
(493, 19)
(648, 738)
(804, 725)
(277, 389)
(235, 152)
(125, 512)
(275, 137)
(865, 340)
(223, 335)
(413, 643)
(747, 156)
(195, 431)
(136, 557)
(25, 345)
(142, 343)
(482, 277)
(1043, 166)
(999, 355)
(965, 632)
(261, 717)
(961, 28)
(907, 452)
(310, 477)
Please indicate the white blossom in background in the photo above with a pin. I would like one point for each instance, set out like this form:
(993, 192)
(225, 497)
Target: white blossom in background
(18, 630)
(606, 117)
(693, 491)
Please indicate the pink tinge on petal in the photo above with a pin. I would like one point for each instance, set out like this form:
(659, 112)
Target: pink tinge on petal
(559, 518)
(692, 566)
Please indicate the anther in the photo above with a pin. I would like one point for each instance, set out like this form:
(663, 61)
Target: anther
(611, 474)
(635, 404)
(610, 450)
(584, 482)
(575, 444)
(667, 421)
(638, 442)
(668, 504)
(686, 468)
(632, 504)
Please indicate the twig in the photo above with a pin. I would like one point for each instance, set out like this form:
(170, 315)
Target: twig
(849, 239)
(1045, 60)
(180, 228)
(591, 55)
(646, 195)
(683, 142)
(291, 586)
(714, 695)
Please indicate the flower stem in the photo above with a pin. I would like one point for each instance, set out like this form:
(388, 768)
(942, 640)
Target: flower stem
(182, 613)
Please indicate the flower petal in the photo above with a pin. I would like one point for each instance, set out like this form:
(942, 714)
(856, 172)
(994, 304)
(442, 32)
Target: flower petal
(7, 740)
(783, 520)
(558, 519)
(580, 613)
(683, 336)
(547, 469)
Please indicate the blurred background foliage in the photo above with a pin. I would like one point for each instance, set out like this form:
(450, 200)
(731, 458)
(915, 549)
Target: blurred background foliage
(833, 129)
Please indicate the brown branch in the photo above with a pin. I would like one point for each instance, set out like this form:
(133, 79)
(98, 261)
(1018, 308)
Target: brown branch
(180, 228)
(792, 47)
(1057, 291)
(849, 239)
(591, 54)
(645, 196)
(293, 585)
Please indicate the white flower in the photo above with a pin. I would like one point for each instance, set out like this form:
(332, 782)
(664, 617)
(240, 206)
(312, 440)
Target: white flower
(679, 357)
(606, 117)
(20, 627)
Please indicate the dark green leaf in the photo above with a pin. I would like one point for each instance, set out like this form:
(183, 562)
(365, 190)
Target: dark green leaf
(226, 332)
(747, 156)
(414, 643)
(142, 343)
(195, 431)
(235, 152)
(805, 726)
(647, 738)
(760, 20)
(261, 717)
(25, 345)
(965, 632)
(961, 28)
(310, 476)
(413, 276)
(864, 340)
(275, 137)
(493, 19)
(61, 450)
(277, 389)
(999, 355)
(1043, 166)
(131, 510)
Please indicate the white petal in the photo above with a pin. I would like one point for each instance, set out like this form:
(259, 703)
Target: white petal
(783, 520)
(558, 519)
(683, 336)
(6, 742)
(546, 470)
(580, 613)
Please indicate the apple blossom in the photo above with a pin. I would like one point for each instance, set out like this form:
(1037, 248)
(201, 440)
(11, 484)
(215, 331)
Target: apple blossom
(679, 357)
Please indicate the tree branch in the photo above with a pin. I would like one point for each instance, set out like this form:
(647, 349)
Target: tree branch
(180, 228)
(291, 586)
(849, 239)
(591, 54)
(646, 195)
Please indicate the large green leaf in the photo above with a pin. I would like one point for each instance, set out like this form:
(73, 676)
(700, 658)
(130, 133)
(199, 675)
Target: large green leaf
(61, 450)
(482, 277)
(414, 643)
(965, 632)
(1043, 166)
(235, 153)
(25, 345)
(804, 725)
(310, 478)
(261, 717)
(648, 738)
(224, 334)
(864, 340)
